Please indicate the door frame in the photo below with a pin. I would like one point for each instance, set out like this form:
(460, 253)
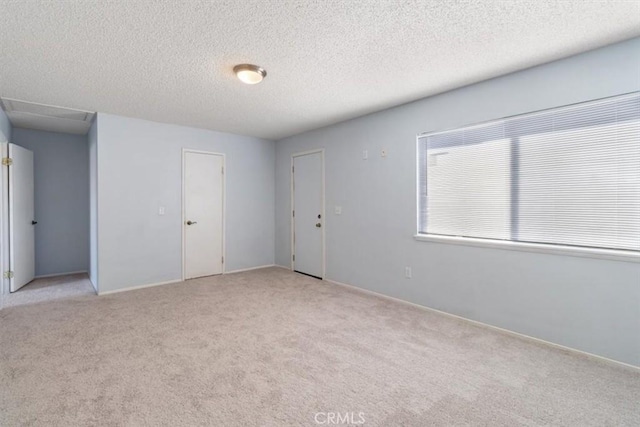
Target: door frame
(224, 207)
(292, 205)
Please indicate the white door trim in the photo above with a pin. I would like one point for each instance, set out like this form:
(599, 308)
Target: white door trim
(224, 207)
(324, 216)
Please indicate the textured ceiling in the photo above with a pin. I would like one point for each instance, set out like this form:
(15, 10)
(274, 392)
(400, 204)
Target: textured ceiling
(327, 60)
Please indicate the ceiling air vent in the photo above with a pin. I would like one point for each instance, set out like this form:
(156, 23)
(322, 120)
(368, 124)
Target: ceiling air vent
(30, 115)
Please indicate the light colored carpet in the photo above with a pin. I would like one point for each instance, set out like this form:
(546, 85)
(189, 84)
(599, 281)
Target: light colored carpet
(273, 348)
(49, 289)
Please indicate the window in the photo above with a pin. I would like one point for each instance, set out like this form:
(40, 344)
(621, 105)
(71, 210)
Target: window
(568, 176)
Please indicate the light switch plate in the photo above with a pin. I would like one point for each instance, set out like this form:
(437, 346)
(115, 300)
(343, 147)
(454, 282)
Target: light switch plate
(338, 210)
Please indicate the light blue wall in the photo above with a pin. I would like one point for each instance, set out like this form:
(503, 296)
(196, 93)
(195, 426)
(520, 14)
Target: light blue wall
(92, 138)
(588, 304)
(61, 177)
(5, 126)
(140, 170)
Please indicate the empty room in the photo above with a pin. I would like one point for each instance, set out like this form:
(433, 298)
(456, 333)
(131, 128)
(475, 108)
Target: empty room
(317, 213)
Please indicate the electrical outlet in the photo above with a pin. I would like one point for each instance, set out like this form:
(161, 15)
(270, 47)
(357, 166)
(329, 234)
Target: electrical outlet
(365, 155)
(407, 272)
(161, 210)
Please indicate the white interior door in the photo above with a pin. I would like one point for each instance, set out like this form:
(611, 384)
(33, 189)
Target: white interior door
(308, 214)
(21, 217)
(4, 218)
(203, 214)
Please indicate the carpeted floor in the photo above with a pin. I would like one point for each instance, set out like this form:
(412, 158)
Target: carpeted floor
(273, 348)
(49, 289)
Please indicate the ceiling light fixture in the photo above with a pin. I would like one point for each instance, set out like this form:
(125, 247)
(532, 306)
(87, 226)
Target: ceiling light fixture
(249, 73)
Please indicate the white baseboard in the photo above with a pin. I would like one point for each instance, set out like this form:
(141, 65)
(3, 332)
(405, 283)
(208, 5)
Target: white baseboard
(250, 268)
(131, 288)
(60, 274)
(488, 326)
(282, 266)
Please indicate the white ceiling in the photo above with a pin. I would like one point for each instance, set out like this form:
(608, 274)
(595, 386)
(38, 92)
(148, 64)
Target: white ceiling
(327, 60)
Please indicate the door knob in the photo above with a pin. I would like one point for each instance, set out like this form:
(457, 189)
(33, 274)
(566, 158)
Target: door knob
(191, 222)
(318, 225)
(34, 222)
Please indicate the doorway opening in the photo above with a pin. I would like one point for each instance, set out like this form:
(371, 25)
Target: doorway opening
(44, 193)
(45, 197)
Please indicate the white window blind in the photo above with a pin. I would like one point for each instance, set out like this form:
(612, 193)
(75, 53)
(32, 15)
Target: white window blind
(567, 176)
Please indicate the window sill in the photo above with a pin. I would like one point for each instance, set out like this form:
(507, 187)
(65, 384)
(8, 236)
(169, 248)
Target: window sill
(609, 254)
